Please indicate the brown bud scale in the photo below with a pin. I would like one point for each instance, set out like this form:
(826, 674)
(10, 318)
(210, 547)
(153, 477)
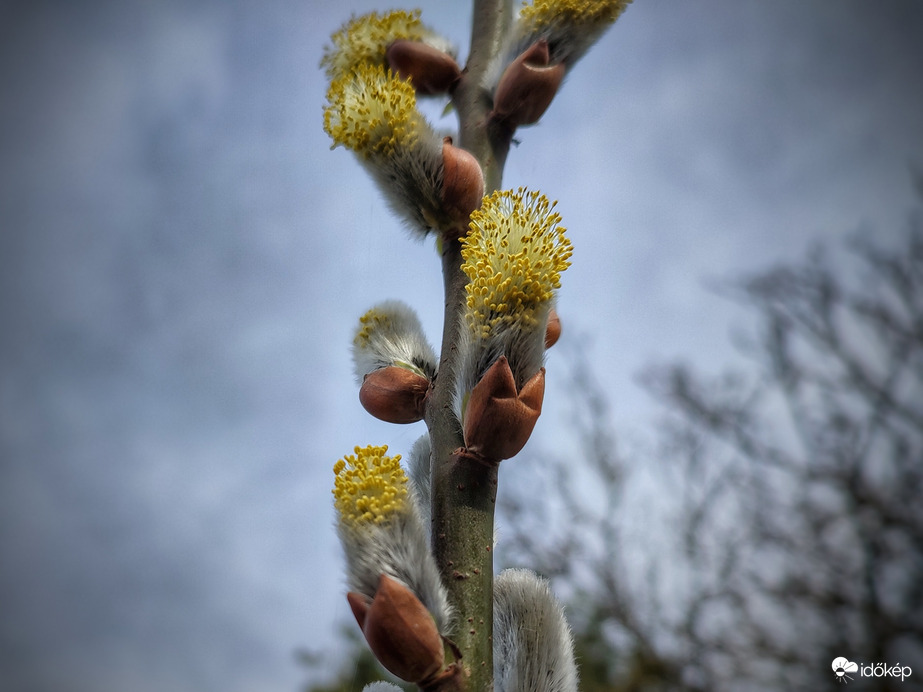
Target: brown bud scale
(462, 182)
(499, 419)
(400, 631)
(527, 87)
(430, 70)
(394, 394)
(552, 329)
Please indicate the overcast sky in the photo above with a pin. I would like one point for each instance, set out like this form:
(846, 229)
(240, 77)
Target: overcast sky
(183, 260)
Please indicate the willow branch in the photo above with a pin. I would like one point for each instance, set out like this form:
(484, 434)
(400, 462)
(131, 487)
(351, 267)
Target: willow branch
(464, 492)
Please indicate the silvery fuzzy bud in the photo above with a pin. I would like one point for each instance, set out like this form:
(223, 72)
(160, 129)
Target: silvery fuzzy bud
(381, 686)
(390, 334)
(533, 645)
(393, 362)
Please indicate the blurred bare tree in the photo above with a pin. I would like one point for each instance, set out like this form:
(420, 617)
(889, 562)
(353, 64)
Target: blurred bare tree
(781, 525)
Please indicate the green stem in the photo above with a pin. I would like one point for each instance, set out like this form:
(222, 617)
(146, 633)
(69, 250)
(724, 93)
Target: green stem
(464, 492)
(463, 499)
(490, 22)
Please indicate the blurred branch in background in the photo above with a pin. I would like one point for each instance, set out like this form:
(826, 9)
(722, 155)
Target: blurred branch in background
(777, 524)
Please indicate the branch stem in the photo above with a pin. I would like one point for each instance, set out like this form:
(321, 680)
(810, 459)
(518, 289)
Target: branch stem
(464, 492)
(490, 22)
(463, 500)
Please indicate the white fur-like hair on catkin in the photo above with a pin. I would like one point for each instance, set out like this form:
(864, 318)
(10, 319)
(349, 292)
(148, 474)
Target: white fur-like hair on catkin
(439, 42)
(411, 180)
(398, 547)
(420, 472)
(381, 686)
(533, 644)
(402, 339)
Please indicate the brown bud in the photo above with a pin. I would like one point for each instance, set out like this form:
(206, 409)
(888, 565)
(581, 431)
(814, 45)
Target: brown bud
(499, 420)
(462, 182)
(399, 630)
(430, 70)
(394, 394)
(552, 329)
(527, 86)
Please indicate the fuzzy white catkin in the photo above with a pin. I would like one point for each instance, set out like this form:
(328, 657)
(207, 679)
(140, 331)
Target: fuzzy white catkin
(390, 333)
(381, 686)
(533, 645)
(411, 181)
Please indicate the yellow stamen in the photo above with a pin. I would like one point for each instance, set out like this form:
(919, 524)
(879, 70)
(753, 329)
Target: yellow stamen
(513, 254)
(365, 39)
(372, 321)
(369, 486)
(372, 111)
(543, 13)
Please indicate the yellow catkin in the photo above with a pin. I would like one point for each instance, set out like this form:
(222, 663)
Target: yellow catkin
(514, 253)
(372, 112)
(364, 39)
(369, 486)
(542, 13)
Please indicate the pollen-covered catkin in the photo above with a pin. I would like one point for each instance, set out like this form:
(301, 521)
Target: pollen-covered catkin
(373, 112)
(381, 532)
(514, 255)
(571, 27)
(365, 40)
